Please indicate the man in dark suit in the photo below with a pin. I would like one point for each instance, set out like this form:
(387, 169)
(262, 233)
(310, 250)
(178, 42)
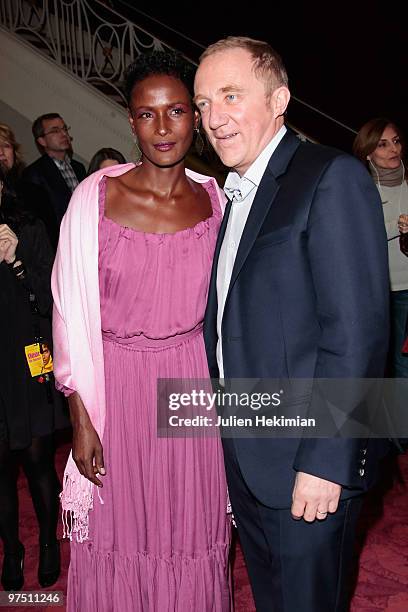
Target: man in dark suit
(49, 181)
(298, 291)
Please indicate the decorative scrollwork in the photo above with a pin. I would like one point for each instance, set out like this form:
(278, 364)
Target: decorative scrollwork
(32, 14)
(106, 52)
(89, 39)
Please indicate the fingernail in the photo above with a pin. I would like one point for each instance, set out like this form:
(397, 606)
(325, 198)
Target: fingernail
(102, 471)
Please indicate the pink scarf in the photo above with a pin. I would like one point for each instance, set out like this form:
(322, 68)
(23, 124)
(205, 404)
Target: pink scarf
(77, 336)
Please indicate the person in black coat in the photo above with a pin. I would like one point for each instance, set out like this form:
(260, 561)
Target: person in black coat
(30, 407)
(50, 180)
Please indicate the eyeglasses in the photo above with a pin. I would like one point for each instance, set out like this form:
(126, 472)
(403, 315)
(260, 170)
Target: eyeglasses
(57, 130)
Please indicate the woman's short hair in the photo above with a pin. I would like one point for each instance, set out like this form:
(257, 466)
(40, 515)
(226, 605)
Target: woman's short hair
(102, 155)
(169, 63)
(369, 135)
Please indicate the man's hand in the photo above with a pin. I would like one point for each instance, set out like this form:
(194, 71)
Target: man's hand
(313, 497)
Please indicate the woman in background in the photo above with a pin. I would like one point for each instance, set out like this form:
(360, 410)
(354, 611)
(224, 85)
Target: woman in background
(104, 158)
(30, 195)
(10, 156)
(130, 285)
(380, 145)
(30, 409)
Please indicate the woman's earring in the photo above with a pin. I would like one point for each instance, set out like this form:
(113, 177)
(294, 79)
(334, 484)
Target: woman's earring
(136, 152)
(199, 142)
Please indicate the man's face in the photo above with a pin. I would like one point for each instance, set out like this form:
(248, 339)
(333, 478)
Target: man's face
(55, 138)
(238, 118)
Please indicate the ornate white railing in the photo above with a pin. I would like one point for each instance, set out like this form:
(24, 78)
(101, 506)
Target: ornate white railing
(89, 39)
(92, 41)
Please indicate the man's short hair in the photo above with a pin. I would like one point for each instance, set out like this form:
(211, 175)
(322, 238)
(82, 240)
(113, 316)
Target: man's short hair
(38, 128)
(268, 64)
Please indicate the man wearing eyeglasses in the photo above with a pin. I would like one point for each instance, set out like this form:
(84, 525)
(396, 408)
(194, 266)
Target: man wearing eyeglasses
(51, 179)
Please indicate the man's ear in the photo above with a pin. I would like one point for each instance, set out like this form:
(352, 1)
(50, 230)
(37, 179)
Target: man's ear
(41, 142)
(197, 119)
(280, 100)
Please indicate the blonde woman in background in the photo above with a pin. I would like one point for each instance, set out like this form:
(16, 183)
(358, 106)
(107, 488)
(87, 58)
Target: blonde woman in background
(10, 155)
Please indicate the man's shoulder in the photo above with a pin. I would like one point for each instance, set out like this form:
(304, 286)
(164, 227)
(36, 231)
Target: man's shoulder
(77, 163)
(78, 166)
(295, 156)
(37, 166)
(320, 157)
(319, 152)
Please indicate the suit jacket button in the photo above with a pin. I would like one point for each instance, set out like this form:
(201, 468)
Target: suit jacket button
(363, 461)
(361, 471)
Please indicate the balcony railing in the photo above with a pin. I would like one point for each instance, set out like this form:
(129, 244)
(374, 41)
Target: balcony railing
(89, 39)
(95, 43)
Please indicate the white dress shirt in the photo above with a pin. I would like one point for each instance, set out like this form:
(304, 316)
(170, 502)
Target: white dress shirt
(241, 191)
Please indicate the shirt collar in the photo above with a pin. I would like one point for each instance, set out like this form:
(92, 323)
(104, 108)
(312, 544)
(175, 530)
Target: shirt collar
(236, 187)
(61, 162)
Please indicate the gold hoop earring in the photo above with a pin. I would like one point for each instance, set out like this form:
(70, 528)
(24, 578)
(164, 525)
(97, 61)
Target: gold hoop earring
(136, 152)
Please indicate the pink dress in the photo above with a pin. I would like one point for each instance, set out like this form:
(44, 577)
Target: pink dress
(160, 540)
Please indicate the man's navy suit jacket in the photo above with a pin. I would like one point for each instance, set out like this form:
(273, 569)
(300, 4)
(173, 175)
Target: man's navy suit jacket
(308, 298)
(47, 194)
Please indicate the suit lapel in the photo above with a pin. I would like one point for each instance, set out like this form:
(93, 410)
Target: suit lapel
(265, 196)
(211, 310)
(54, 177)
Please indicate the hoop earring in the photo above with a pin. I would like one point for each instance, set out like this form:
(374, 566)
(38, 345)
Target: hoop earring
(199, 142)
(136, 152)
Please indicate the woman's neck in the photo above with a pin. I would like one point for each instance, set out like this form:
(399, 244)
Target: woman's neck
(164, 181)
(387, 177)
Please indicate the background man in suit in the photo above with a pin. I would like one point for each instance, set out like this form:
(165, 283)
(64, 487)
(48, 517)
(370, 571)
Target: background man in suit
(55, 174)
(299, 290)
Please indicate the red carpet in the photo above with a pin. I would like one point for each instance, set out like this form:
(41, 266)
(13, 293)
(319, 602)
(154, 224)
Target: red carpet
(382, 581)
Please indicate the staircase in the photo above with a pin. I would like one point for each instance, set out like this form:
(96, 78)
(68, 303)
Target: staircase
(93, 43)
(87, 38)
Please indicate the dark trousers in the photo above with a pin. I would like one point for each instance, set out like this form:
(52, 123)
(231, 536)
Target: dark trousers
(38, 464)
(399, 323)
(293, 566)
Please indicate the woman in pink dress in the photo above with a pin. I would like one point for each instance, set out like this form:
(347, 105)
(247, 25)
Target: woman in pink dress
(146, 515)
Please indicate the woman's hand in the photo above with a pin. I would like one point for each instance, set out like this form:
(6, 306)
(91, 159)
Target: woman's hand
(87, 449)
(8, 244)
(403, 224)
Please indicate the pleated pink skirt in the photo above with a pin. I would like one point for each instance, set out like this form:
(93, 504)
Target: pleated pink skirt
(160, 540)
